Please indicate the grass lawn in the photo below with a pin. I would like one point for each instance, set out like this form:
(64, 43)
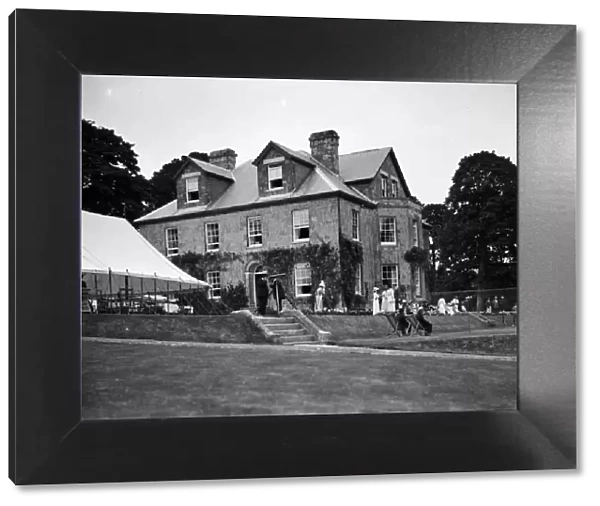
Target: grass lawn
(492, 344)
(122, 380)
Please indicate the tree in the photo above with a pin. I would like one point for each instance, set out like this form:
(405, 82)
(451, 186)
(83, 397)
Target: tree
(435, 215)
(481, 223)
(111, 180)
(163, 181)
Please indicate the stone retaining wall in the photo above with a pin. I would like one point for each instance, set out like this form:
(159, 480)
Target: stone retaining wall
(235, 328)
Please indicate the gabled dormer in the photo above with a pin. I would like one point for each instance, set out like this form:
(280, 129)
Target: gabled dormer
(201, 183)
(280, 170)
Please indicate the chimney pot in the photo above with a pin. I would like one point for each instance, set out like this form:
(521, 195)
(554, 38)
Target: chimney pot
(324, 147)
(224, 158)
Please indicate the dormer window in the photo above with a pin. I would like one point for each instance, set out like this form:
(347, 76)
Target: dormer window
(275, 178)
(384, 187)
(191, 190)
(394, 189)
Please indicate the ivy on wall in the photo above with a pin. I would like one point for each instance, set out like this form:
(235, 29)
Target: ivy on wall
(416, 257)
(336, 267)
(351, 257)
(198, 264)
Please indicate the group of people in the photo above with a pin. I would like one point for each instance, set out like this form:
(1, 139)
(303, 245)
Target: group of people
(403, 315)
(265, 287)
(451, 308)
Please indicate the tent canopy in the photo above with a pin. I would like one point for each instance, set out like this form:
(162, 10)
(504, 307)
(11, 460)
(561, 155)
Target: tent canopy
(112, 243)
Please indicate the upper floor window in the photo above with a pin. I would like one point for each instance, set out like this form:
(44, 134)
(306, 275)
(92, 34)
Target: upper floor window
(172, 242)
(394, 188)
(355, 225)
(303, 279)
(387, 230)
(418, 281)
(275, 178)
(255, 234)
(212, 236)
(191, 190)
(415, 232)
(301, 225)
(384, 187)
(213, 278)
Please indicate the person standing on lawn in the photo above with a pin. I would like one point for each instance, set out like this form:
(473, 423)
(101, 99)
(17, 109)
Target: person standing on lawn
(262, 292)
(319, 296)
(375, 301)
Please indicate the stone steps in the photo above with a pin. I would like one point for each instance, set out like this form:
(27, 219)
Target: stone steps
(287, 330)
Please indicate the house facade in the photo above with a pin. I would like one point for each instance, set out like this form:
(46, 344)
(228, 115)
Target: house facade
(290, 202)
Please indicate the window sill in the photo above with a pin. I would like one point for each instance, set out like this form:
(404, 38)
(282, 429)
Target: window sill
(212, 250)
(255, 246)
(298, 241)
(274, 189)
(389, 244)
(303, 295)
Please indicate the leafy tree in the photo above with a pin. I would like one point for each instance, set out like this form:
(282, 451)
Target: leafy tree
(163, 180)
(111, 180)
(435, 215)
(481, 224)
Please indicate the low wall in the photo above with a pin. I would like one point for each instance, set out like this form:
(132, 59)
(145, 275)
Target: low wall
(235, 328)
(364, 326)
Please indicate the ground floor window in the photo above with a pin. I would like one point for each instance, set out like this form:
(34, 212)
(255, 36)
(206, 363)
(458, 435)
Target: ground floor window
(389, 275)
(213, 278)
(358, 276)
(303, 279)
(172, 242)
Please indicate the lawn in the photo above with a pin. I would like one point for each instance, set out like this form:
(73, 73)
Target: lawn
(123, 380)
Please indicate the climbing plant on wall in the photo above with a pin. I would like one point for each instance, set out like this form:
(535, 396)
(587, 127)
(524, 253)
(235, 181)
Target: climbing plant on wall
(351, 257)
(323, 259)
(198, 264)
(416, 257)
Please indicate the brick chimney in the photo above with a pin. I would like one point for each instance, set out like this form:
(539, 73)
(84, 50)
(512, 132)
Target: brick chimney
(324, 147)
(223, 158)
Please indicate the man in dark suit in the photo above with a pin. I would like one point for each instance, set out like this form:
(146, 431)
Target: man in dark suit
(262, 291)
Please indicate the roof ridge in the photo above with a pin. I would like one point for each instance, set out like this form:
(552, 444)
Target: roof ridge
(367, 150)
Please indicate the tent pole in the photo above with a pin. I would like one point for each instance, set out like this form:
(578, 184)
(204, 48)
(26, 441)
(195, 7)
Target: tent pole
(110, 289)
(168, 303)
(141, 292)
(155, 292)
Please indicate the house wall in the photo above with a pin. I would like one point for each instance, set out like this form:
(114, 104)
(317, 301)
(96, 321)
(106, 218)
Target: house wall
(233, 232)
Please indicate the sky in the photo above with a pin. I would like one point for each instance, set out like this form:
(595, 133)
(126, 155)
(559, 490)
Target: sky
(431, 126)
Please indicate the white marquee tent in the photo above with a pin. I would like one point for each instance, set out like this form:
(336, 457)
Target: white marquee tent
(114, 255)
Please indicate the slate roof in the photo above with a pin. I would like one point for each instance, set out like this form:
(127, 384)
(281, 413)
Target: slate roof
(362, 164)
(321, 181)
(209, 167)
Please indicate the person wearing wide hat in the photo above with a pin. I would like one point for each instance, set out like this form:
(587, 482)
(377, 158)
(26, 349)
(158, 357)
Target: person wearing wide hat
(376, 309)
(319, 296)
(262, 290)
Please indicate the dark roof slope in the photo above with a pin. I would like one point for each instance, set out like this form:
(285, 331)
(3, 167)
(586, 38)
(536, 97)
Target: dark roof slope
(245, 191)
(208, 167)
(362, 164)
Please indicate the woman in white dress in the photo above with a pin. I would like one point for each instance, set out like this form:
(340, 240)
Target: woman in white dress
(375, 300)
(441, 306)
(319, 294)
(388, 303)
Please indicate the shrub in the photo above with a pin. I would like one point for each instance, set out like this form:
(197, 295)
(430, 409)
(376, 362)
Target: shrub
(235, 296)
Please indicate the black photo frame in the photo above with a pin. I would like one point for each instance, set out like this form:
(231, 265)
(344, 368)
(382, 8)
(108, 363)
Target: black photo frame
(50, 50)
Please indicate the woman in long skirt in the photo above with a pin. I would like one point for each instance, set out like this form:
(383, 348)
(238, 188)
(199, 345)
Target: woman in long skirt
(319, 294)
(376, 301)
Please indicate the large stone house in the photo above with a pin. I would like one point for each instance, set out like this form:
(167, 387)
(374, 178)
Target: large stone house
(286, 199)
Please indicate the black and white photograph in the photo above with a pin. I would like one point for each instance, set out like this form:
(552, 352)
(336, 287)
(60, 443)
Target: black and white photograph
(297, 247)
